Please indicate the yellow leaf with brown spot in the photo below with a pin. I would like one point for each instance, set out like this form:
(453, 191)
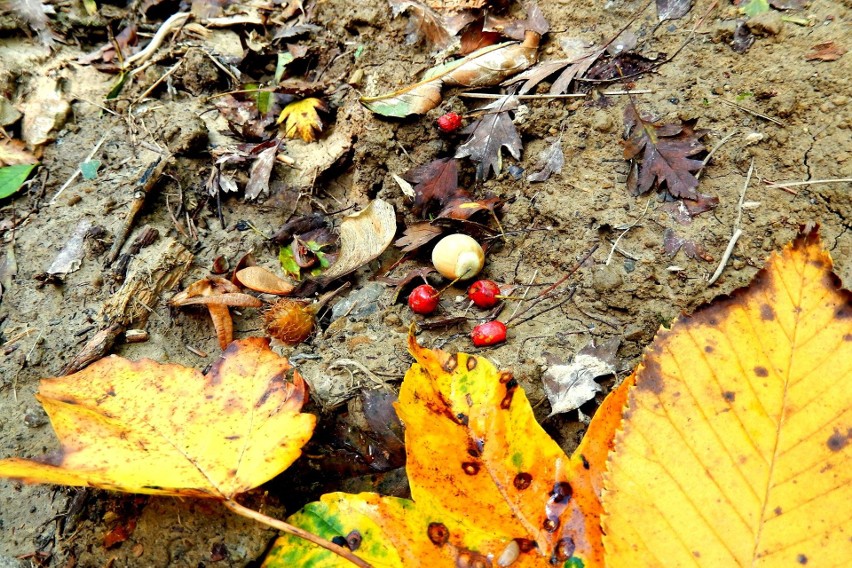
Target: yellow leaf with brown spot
(301, 119)
(487, 482)
(146, 427)
(735, 445)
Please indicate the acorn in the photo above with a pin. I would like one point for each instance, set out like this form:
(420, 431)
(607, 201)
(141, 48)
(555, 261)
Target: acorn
(458, 257)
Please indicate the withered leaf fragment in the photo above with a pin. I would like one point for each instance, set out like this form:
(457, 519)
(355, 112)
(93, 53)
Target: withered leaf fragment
(672, 9)
(494, 131)
(827, 51)
(569, 385)
(301, 119)
(483, 68)
(425, 23)
(217, 294)
(666, 149)
(580, 57)
(672, 243)
(261, 170)
(550, 161)
(436, 181)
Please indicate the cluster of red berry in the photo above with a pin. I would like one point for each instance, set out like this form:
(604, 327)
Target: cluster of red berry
(483, 293)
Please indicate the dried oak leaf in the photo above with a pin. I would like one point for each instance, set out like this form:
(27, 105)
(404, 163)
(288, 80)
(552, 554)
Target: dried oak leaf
(666, 149)
(672, 243)
(580, 57)
(489, 135)
(487, 482)
(569, 385)
(738, 429)
(828, 51)
(416, 235)
(146, 427)
(301, 119)
(424, 23)
(550, 161)
(436, 182)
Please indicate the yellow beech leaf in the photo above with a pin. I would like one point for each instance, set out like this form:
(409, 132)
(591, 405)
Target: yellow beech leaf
(488, 485)
(734, 449)
(301, 120)
(146, 427)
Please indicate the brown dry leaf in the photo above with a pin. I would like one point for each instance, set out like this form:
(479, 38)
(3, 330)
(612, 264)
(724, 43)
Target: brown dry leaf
(570, 385)
(261, 170)
(735, 445)
(438, 29)
(828, 51)
(260, 279)
(580, 57)
(666, 149)
(363, 236)
(482, 68)
(146, 427)
(301, 119)
(672, 243)
(550, 161)
(217, 294)
(436, 182)
(488, 485)
(489, 135)
(14, 152)
(417, 235)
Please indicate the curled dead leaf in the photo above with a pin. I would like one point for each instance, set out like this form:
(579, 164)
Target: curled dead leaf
(363, 237)
(260, 279)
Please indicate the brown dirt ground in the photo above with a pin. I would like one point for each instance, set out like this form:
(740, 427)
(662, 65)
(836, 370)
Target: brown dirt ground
(44, 326)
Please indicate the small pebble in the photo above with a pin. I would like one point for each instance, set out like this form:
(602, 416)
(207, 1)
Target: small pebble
(34, 417)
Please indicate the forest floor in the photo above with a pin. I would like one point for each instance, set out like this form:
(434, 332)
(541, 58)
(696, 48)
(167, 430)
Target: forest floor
(770, 108)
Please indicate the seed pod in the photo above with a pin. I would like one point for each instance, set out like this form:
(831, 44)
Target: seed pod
(290, 321)
(458, 257)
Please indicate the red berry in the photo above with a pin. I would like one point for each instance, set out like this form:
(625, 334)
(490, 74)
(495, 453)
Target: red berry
(450, 122)
(484, 293)
(423, 299)
(488, 333)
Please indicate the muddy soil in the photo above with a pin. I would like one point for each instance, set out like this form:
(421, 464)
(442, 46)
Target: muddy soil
(625, 291)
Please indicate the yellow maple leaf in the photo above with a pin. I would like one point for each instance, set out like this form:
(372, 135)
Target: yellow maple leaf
(735, 446)
(301, 119)
(146, 427)
(487, 483)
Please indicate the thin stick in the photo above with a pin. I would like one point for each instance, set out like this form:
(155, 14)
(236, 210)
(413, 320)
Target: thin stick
(713, 151)
(737, 231)
(162, 78)
(176, 21)
(571, 96)
(78, 171)
(754, 112)
(615, 244)
(295, 531)
(810, 182)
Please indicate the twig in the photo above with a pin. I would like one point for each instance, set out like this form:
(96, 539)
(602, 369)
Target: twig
(544, 311)
(737, 231)
(615, 244)
(754, 112)
(295, 531)
(162, 78)
(713, 151)
(147, 182)
(78, 171)
(570, 96)
(524, 296)
(341, 363)
(787, 184)
(176, 21)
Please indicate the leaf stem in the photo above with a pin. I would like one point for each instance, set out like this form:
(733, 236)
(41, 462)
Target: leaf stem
(295, 531)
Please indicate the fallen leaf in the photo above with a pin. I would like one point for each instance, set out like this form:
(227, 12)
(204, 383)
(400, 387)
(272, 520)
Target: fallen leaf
(735, 445)
(827, 51)
(672, 9)
(146, 427)
(435, 183)
(482, 68)
(743, 39)
(301, 119)
(418, 234)
(550, 161)
(672, 243)
(260, 279)
(14, 152)
(487, 483)
(570, 385)
(666, 149)
(489, 135)
(261, 171)
(70, 257)
(216, 293)
(424, 23)
(12, 178)
(580, 57)
(45, 112)
(34, 13)
(475, 37)
(363, 236)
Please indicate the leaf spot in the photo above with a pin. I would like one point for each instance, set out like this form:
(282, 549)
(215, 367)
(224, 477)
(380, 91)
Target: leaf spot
(708, 349)
(470, 468)
(471, 363)
(767, 313)
(730, 396)
(526, 544)
(438, 534)
(802, 559)
(561, 492)
(778, 510)
(564, 549)
(522, 481)
(353, 540)
(550, 525)
(837, 441)
(451, 363)
(761, 371)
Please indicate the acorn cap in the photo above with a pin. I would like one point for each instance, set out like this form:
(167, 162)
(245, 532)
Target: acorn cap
(458, 257)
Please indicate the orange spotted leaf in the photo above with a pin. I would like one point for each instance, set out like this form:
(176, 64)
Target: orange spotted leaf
(486, 482)
(301, 119)
(146, 427)
(735, 445)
